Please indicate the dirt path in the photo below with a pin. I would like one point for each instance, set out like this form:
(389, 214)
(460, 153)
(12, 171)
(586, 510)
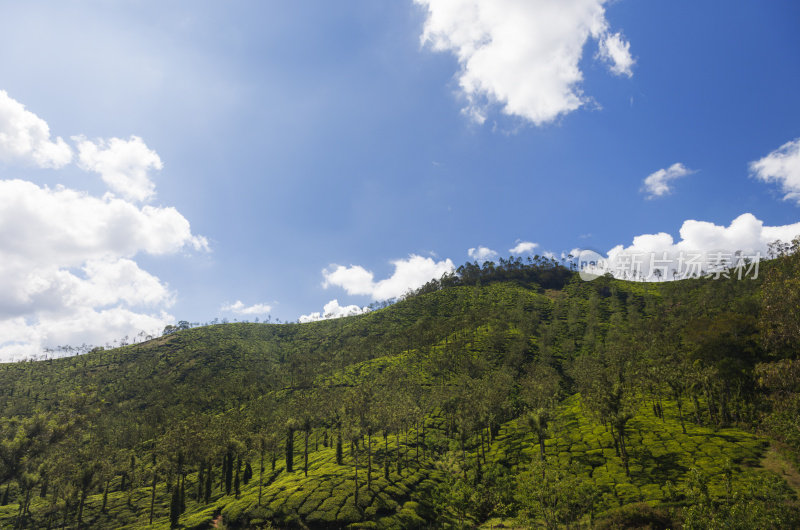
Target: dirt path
(774, 461)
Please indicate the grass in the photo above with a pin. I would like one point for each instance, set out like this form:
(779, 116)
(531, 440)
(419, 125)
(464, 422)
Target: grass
(775, 461)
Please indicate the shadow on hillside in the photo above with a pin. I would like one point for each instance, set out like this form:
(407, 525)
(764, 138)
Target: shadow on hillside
(657, 469)
(727, 437)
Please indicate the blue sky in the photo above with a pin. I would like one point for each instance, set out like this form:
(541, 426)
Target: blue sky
(307, 144)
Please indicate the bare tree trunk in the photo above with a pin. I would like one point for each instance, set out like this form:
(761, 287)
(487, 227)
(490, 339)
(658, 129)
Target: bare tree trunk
(261, 478)
(399, 465)
(18, 522)
(209, 474)
(680, 412)
(105, 498)
(222, 472)
(153, 494)
(386, 456)
(417, 443)
(80, 507)
(201, 480)
(369, 460)
(623, 449)
(305, 455)
(616, 442)
(355, 495)
(423, 435)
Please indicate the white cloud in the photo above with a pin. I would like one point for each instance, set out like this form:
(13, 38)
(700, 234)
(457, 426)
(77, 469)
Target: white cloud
(67, 269)
(705, 244)
(354, 279)
(617, 51)
(124, 165)
(100, 283)
(410, 273)
(239, 308)
(522, 54)
(110, 281)
(25, 137)
(21, 338)
(481, 253)
(523, 247)
(333, 310)
(781, 166)
(67, 227)
(658, 184)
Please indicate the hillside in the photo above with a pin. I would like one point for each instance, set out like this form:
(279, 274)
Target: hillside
(511, 393)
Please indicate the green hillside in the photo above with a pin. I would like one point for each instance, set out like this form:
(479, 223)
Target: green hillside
(512, 393)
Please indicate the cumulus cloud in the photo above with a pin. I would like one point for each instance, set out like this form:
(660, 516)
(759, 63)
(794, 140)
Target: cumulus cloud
(110, 281)
(39, 288)
(783, 167)
(410, 273)
(106, 300)
(523, 247)
(617, 51)
(25, 137)
(333, 310)
(67, 227)
(703, 247)
(124, 165)
(67, 269)
(354, 279)
(66, 264)
(522, 54)
(21, 338)
(659, 183)
(481, 253)
(239, 308)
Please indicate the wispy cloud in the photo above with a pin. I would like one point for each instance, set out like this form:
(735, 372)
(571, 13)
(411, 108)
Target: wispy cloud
(523, 247)
(482, 254)
(617, 51)
(659, 183)
(783, 167)
(239, 308)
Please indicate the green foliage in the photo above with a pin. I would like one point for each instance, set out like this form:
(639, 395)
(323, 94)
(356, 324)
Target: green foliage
(780, 296)
(175, 508)
(447, 401)
(640, 515)
(549, 494)
(761, 501)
